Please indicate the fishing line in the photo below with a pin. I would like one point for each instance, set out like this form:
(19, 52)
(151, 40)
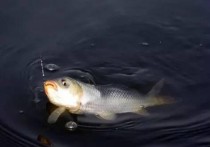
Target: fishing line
(42, 66)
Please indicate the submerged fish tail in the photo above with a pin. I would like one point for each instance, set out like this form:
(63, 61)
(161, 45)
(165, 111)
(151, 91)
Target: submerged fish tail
(154, 99)
(158, 100)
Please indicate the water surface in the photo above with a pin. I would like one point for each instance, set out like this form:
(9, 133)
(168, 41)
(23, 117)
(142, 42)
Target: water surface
(119, 42)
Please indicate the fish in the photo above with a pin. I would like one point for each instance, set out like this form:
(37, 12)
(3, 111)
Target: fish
(105, 102)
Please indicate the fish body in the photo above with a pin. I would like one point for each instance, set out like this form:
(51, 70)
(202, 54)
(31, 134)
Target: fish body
(102, 101)
(115, 101)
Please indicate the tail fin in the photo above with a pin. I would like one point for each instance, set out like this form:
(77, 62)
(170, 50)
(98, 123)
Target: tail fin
(156, 88)
(154, 99)
(159, 100)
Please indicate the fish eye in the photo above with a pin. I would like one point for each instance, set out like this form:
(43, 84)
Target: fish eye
(64, 82)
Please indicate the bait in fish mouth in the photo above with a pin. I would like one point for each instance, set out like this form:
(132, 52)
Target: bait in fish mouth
(104, 102)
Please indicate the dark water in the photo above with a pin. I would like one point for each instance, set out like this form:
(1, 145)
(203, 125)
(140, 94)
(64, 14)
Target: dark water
(128, 43)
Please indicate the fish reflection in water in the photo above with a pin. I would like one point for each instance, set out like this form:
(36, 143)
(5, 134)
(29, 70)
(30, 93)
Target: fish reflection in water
(104, 102)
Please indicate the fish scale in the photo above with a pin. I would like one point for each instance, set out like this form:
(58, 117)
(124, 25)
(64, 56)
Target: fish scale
(104, 101)
(115, 101)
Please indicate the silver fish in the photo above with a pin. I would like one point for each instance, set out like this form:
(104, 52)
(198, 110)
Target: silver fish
(104, 102)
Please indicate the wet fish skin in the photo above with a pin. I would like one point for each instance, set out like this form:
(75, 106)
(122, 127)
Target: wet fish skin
(104, 102)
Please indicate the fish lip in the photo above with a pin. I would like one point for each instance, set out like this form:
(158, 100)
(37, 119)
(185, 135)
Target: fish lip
(50, 84)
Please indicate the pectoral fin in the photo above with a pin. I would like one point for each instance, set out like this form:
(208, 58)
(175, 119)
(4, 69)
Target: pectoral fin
(106, 115)
(53, 117)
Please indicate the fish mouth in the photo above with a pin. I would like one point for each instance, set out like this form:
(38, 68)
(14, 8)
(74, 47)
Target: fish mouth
(50, 85)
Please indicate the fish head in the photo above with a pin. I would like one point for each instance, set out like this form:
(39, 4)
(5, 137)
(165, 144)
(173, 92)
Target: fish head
(65, 92)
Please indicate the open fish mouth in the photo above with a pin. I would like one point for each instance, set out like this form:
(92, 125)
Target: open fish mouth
(50, 84)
